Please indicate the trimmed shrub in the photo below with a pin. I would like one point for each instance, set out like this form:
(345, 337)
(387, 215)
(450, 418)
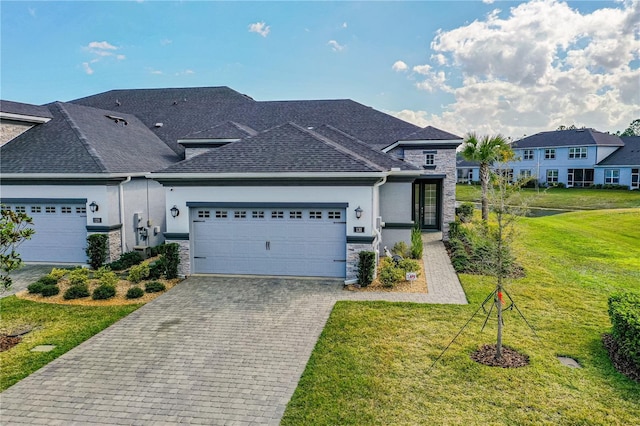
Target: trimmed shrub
(138, 272)
(366, 267)
(156, 269)
(48, 280)
(624, 312)
(171, 259)
(159, 249)
(97, 249)
(77, 291)
(50, 290)
(58, 273)
(99, 273)
(35, 288)
(109, 279)
(134, 293)
(130, 259)
(78, 276)
(388, 273)
(409, 265)
(401, 249)
(465, 212)
(154, 287)
(416, 242)
(103, 291)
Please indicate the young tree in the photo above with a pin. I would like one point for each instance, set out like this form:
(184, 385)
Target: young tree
(486, 150)
(633, 129)
(15, 228)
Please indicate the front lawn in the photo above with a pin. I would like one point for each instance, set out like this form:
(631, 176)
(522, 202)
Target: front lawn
(61, 325)
(371, 363)
(565, 198)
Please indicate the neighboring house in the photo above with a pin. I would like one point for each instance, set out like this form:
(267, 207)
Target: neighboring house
(467, 171)
(264, 188)
(577, 158)
(17, 118)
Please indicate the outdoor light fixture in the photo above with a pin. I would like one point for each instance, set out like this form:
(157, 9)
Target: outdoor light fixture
(174, 211)
(93, 206)
(358, 212)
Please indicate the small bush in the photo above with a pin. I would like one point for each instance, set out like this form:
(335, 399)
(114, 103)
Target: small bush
(171, 259)
(388, 273)
(50, 290)
(366, 267)
(77, 291)
(116, 265)
(58, 273)
(134, 293)
(465, 212)
(409, 265)
(138, 272)
(130, 259)
(401, 249)
(99, 273)
(156, 269)
(35, 288)
(97, 249)
(109, 279)
(48, 280)
(103, 292)
(624, 312)
(159, 249)
(78, 276)
(154, 287)
(416, 242)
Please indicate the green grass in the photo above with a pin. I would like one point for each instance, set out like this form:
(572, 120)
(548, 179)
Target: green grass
(61, 325)
(565, 198)
(371, 363)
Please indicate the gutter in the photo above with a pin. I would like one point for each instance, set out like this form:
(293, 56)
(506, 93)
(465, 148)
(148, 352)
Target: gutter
(71, 175)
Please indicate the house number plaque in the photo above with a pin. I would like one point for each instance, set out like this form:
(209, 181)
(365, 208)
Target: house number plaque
(358, 229)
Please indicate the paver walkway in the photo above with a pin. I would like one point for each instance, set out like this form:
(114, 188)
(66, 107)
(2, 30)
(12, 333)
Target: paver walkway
(213, 350)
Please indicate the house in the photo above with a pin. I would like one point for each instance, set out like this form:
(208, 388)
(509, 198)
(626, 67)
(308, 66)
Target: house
(243, 186)
(467, 171)
(577, 158)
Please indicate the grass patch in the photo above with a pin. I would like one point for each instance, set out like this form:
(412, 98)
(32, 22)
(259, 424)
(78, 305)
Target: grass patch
(370, 365)
(565, 198)
(61, 325)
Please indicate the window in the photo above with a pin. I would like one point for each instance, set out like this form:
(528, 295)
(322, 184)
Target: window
(552, 176)
(580, 152)
(580, 177)
(525, 174)
(21, 209)
(239, 214)
(81, 210)
(221, 214)
(429, 159)
(334, 215)
(204, 214)
(635, 180)
(65, 210)
(527, 154)
(257, 214)
(277, 214)
(50, 209)
(550, 154)
(36, 209)
(612, 176)
(295, 214)
(315, 215)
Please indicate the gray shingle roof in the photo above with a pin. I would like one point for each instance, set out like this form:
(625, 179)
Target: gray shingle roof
(430, 133)
(628, 155)
(183, 111)
(86, 140)
(226, 130)
(284, 148)
(24, 109)
(579, 137)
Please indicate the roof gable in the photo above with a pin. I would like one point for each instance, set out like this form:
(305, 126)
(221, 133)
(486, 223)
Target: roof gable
(430, 133)
(226, 130)
(578, 137)
(628, 155)
(21, 109)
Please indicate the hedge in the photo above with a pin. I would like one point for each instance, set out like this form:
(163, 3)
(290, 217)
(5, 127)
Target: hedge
(624, 312)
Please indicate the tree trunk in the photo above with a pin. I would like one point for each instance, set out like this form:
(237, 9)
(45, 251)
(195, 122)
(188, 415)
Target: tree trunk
(499, 340)
(484, 185)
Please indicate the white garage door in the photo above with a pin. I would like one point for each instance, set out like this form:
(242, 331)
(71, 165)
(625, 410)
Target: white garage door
(269, 240)
(61, 232)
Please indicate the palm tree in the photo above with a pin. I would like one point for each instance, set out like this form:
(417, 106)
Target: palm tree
(486, 150)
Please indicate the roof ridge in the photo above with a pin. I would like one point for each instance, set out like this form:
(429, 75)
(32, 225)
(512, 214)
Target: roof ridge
(83, 139)
(338, 147)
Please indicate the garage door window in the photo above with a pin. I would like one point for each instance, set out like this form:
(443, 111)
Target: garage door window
(203, 214)
(239, 214)
(36, 209)
(277, 214)
(335, 215)
(221, 214)
(315, 215)
(257, 214)
(81, 210)
(295, 214)
(49, 209)
(21, 209)
(65, 210)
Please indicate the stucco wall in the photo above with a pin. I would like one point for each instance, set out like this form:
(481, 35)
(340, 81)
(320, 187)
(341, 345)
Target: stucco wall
(146, 197)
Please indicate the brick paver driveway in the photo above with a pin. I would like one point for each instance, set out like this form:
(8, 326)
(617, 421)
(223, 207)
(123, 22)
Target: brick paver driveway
(210, 351)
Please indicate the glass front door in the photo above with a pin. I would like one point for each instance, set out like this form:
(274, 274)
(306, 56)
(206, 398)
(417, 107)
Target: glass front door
(426, 201)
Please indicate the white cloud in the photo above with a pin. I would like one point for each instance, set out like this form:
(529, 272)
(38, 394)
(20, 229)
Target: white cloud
(344, 25)
(399, 66)
(336, 47)
(539, 65)
(186, 72)
(260, 28)
(488, 1)
(32, 11)
(165, 41)
(87, 68)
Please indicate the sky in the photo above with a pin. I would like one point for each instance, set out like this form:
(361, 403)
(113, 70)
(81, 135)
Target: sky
(510, 67)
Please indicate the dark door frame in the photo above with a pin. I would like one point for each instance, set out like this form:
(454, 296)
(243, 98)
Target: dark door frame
(418, 199)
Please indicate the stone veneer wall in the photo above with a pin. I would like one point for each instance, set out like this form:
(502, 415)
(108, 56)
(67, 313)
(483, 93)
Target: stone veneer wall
(184, 268)
(353, 258)
(11, 129)
(114, 243)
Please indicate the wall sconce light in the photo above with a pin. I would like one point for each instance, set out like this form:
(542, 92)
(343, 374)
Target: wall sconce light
(174, 211)
(358, 212)
(93, 207)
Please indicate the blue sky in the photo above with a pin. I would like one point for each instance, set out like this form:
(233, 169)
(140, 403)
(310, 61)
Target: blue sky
(510, 67)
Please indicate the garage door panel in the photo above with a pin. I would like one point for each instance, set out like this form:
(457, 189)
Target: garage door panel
(280, 242)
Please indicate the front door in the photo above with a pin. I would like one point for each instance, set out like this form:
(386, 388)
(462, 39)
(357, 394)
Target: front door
(427, 204)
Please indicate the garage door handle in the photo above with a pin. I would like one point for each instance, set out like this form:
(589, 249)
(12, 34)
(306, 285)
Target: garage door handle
(340, 260)
(339, 222)
(268, 245)
(199, 257)
(198, 221)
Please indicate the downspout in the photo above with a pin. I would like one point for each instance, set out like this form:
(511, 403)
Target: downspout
(123, 245)
(375, 228)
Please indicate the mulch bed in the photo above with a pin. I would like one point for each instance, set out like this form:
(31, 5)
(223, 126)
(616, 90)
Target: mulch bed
(417, 286)
(620, 361)
(510, 358)
(7, 342)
